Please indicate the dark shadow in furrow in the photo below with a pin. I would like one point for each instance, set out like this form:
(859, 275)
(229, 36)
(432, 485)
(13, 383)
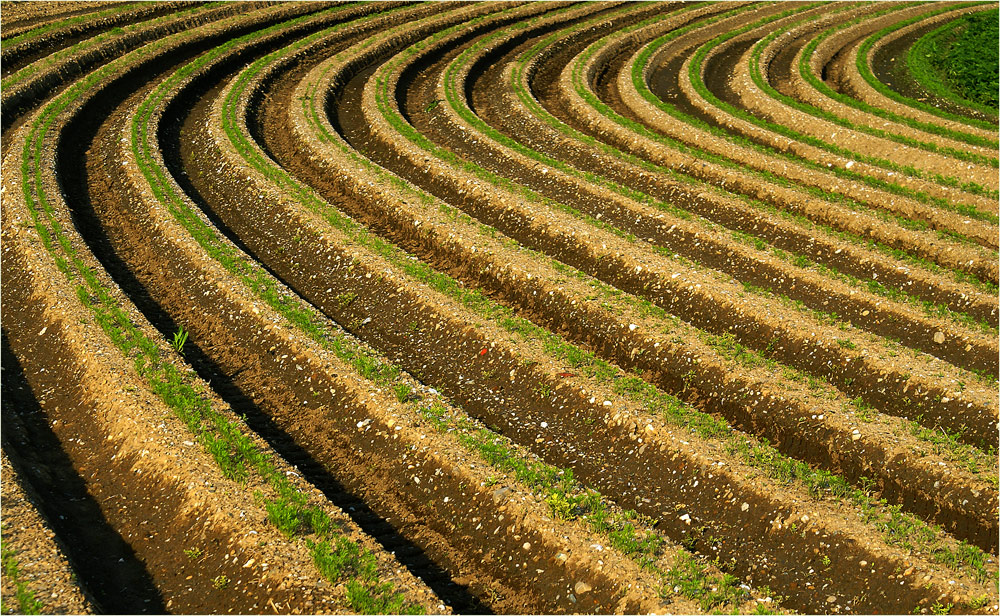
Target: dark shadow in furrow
(113, 578)
(74, 180)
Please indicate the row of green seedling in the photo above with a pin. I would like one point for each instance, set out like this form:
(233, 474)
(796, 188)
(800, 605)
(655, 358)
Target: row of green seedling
(861, 63)
(557, 487)
(407, 131)
(822, 114)
(526, 98)
(457, 102)
(695, 75)
(233, 451)
(806, 71)
(638, 69)
(634, 388)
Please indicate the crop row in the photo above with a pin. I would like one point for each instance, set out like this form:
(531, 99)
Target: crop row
(471, 307)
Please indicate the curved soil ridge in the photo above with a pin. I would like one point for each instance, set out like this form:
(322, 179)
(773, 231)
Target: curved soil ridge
(435, 371)
(563, 306)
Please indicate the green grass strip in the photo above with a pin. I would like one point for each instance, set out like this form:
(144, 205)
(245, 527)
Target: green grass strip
(528, 100)
(67, 22)
(805, 70)
(457, 102)
(62, 54)
(542, 114)
(566, 498)
(861, 61)
(694, 74)
(234, 453)
(897, 528)
(27, 603)
(765, 86)
(958, 61)
(638, 69)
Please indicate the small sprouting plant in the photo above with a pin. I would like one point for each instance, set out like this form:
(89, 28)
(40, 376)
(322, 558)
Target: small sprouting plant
(562, 507)
(403, 392)
(27, 603)
(220, 581)
(345, 299)
(979, 602)
(193, 553)
(180, 337)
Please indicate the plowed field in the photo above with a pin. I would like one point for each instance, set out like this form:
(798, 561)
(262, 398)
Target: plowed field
(496, 307)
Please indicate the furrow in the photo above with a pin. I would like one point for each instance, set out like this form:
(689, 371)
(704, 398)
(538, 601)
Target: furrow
(827, 59)
(830, 250)
(492, 307)
(729, 102)
(705, 301)
(122, 406)
(430, 504)
(679, 235)
(437, 367)
(156, 516)
(850, 73)
(651, 66)
(603, 323)
(794, 72)
(571, 102)
(18, 52)
(901, 37)
(23, 89)
(37, 571)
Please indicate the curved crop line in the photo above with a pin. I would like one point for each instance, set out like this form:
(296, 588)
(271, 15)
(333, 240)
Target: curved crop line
(805, 70)
(642, 87)
(238, 457)
(556, 485)
(764, 85)
(457, 102)
(861, 61)
(695, 75)
(640, 84)
(235, 454)
(920, 69)
(452, 90)
(752, 452)
(394, 118)
(65, 23)
(90, 42)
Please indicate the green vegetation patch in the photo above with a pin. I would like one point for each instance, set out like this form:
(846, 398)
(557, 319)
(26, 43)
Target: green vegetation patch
(26, 601)
(961, 57)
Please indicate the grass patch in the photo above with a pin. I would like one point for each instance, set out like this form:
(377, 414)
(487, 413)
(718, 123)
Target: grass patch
(27, 603)
(861, 62)
(959, 61)
(805, 70)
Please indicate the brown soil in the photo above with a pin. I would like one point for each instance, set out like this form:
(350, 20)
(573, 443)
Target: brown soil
(729, 212)
(42, 563)
(16, 57)
(434, 371)
(20, 16)
(127, 493)
(842, 74)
